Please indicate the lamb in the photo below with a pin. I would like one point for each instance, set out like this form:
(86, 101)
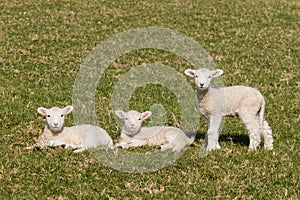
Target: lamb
(80, 137)
(133, 135)
(245, 102)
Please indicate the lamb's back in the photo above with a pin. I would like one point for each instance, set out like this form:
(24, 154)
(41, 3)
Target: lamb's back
(93, 135)
(231, 99)
(151, 131)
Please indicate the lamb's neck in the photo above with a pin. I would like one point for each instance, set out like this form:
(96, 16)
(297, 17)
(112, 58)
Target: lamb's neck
(49, 132)
(203, 94)
(129, 132)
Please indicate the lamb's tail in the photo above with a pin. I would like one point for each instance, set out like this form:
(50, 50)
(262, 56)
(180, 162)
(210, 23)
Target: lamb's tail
(191, 139)
(261, 113)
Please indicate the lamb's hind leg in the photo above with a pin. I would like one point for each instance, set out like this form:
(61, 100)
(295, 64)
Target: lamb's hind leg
(267, 134)
(252, 124)
(166, 147)
(173, 141)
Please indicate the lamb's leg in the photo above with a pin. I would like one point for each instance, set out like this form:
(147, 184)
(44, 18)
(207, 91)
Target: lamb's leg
(79, 150)
(38, 145)
(137, 142)
(175, 141)
(57, 142)
(121, 145)
(73, 146)
(35, 146)
(166, 147)
(252, 124)
(212, 136)
(267, 134)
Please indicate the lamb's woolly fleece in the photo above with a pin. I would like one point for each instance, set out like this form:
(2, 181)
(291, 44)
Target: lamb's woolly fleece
(245, 102)
(80, 137)
(134, 135)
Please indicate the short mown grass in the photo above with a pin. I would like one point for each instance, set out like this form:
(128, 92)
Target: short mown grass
(43, 43)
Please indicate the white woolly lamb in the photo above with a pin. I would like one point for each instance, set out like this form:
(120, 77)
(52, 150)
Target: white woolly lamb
(80, 137)
(245, 102)
(133, 135)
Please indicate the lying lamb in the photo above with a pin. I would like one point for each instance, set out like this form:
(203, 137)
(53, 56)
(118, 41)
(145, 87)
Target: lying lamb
(133, 135)
(245, 102)
(80, 137)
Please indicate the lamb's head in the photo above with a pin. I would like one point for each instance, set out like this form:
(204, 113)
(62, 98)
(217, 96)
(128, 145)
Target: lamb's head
(55, 117)
(132, 120)
(203, 76)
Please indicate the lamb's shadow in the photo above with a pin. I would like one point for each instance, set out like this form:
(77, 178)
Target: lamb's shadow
(242, 140)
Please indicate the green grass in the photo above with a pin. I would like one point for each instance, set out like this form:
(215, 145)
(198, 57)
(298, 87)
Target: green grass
(43, 43)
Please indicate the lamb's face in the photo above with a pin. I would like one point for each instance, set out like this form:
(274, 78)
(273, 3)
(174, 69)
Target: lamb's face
(203, 76)
(133, 120)
(55, 117)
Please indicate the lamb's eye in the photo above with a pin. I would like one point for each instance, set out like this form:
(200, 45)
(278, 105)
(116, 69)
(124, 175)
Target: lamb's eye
(209, 77)
(48, 115)
(139, 119)
(62, 115)
(196, 76)
(126, 118)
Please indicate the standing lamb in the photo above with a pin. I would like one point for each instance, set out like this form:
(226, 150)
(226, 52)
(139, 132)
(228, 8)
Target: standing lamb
(133, 135)
(80, 137)
(245, 102)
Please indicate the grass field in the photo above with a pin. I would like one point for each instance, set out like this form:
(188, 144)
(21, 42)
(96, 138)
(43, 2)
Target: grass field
(44, 43)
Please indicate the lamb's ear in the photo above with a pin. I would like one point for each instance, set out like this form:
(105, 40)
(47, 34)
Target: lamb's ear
(42, 110)
(120, 113)
(68, 109)
(190, 72)
(146, 115)
(216, 73)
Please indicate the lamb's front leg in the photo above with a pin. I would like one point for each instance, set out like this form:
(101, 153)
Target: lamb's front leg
(38, 145)
(212, 136)
(137, 142)
(132, 143)
(122, 145)
(35, 146)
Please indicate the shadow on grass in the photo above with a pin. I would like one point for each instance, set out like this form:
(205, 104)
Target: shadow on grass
(134, 161)
(143, 160)
(241, 139)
